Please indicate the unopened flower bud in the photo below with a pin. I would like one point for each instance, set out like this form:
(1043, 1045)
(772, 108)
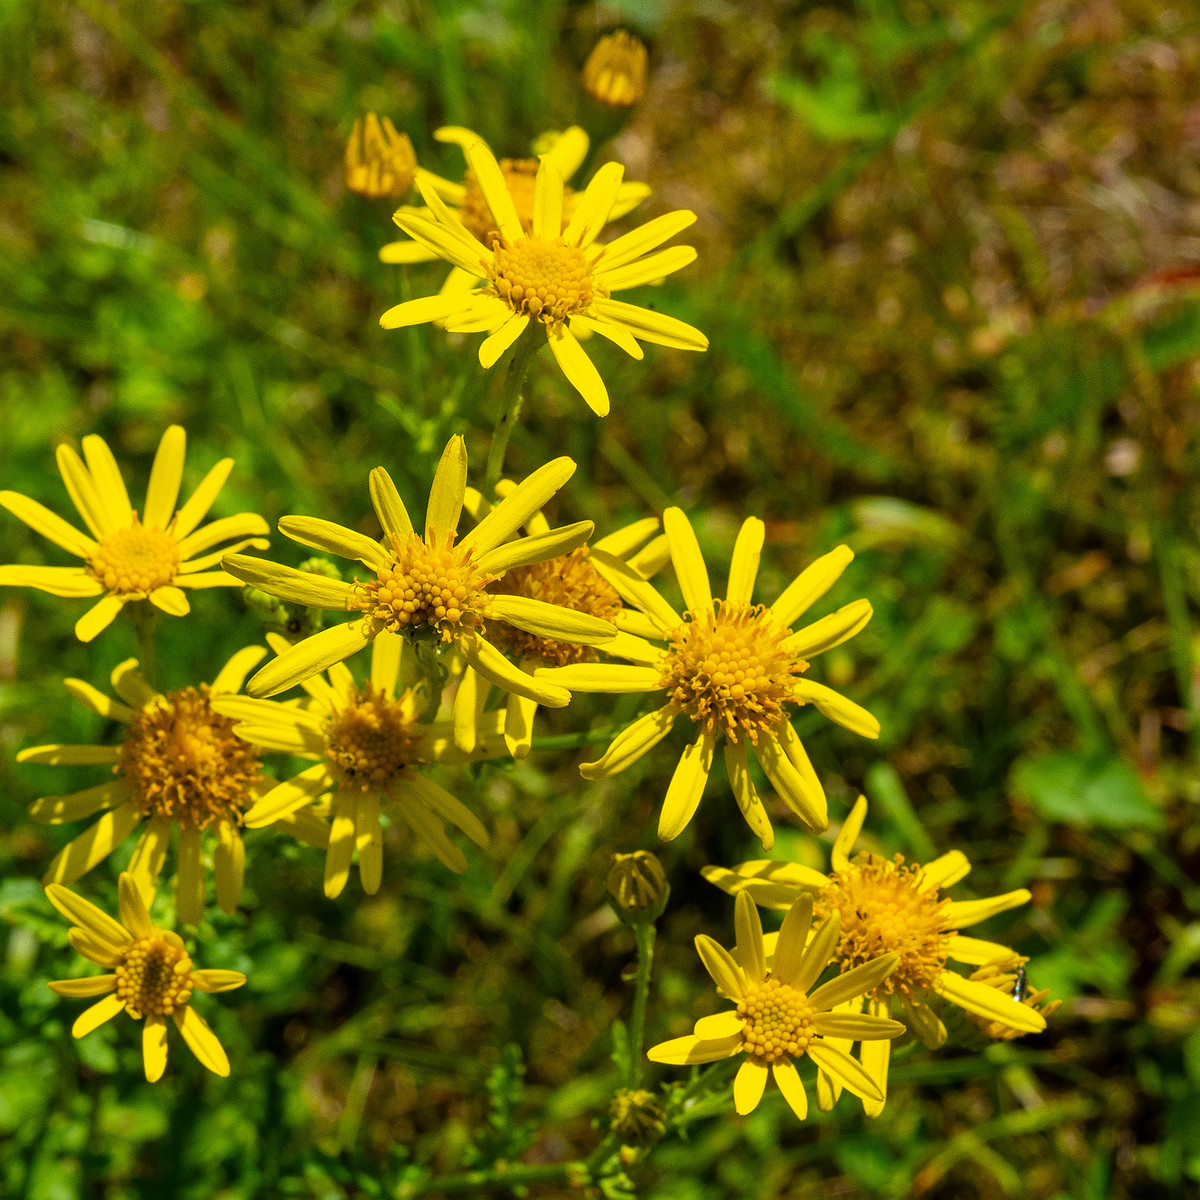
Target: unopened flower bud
(615, 71)
(638, 886)
(379, 160)
(638, 1117)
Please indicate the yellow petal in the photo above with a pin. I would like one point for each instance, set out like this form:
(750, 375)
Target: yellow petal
(875, 1056)
(648, 326)
(170, 600)
(165, 477)
(369, 840)
(214, 980)
(810, 585)
(567, 154)
(635, 650)
(633, 589)
(233, 674)
(59, 755)
(961, 913)
(800, 790)
(691, 1051)
(645, 270)
(285, 798)
(240, 525)
(300, 587)
(613, 333)
(552, 621)
(748, 1086)
(793, 935)
(844, 1069)
(819, 952)
(135, 917)
(57, 810)
(737, 768)
(97, 701)
(387, 652)
(837, 708)
(82, 989)
(495, 192)
(96, 843)
(307, 827)
(624, 541)
(687, 787)
(189, 885)
(422, 310)
(87, 916)
(446, 494)
(201, 1040)
(719, 1025)
(856, 1028)
(770, 883)
(539, 547)
(154, 1047)
(830, 631)
(341, 843)
(750, 953)
(688, 561)
(492, 349)
(335, 539)
(987, 1002)
(848, 834)
(215, 579)
(430, 830)
(94, 1017)
(472, 694)
(407, 252)
(106, 475)
(450, 807)
(580, 371)
(98, 950)
(631, 743)
(308, 657)
(497, 670)
(48, 524)
(788, 1080)
(389, 508)
(593, 208)
(530, 495)
(645, 238)
(82, 490)
(149, 855)
(722, 966)
(98, 617)
(229, 866)
(71, 583)
(925, 1023)
(519, 714)
(945, 871)
(853, 983)
(975, 951)
(547, 199)
(201, 500)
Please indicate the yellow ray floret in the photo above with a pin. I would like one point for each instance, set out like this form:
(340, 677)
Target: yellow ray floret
(780, 1016)
(367, 745)
(150, 975)
(560, 278)
(887, 907)
(734, 667)
(428, 586)
(178, 764)
(126, 557)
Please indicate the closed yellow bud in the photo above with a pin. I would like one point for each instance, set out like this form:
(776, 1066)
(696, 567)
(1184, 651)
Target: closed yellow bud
(379, 160)
(637, 884)
(615, 71)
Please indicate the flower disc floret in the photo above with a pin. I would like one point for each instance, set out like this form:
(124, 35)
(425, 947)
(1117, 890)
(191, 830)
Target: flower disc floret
(371, 740)
(154, 975)
(569, 581)
(729, 670)
(135, 560)
(778, 1020)
(426, 587)
(185, 762)
(883, 910)
(543, 278)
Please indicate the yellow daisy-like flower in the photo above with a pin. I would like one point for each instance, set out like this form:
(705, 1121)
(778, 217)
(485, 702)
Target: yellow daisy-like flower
(734, 667)
(151, 976)
(778, 1019)
(127, 558)
(560, 277)
(615, 71)
(886, 907)
(566, 150)
(568, 580)
(178, 763)
(367, 745)
(429, 587)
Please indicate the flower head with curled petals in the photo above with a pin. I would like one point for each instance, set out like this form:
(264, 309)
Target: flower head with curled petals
(151, 975)
(129, 557)
(885, 906)
(554, 275)
(615, 71)
(367, 745)
(780, 1017)
(178, 764)
(735, 668)
(430, 586)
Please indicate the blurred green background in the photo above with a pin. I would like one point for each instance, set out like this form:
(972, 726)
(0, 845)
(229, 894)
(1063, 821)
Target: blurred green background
(949, 256)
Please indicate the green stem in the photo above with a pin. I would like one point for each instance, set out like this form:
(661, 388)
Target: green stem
(510, 408)
(145, 618)
(637, 1026)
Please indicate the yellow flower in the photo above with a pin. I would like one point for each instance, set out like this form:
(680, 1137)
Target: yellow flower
(557, 276)
(615, 71)
(151, 976)
(569, 580)
(566, 150)
(379, 161)
(178, 763)
(1004, 974)
(888, 907)
(430, 587)
(778, 1019)
(367, 745)
(127, 558)
(733, 667)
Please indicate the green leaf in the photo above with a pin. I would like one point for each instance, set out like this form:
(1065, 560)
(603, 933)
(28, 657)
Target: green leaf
(1081, 790)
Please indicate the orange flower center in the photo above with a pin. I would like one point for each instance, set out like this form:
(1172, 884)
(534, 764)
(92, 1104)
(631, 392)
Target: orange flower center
(184, 760)
(371, 740)
(778, 1020)
(154, 975)
(519, 176)
(427, 587)
(135, 560)
(883, 911)
(542, 278)
(730, 670)
(570, 581)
